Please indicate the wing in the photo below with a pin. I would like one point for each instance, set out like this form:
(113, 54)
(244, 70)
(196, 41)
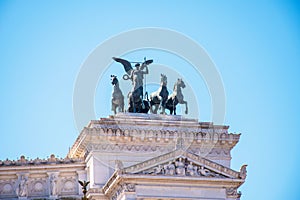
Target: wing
(86, 183)
(127, 66)
(147, 62)
(80, 182)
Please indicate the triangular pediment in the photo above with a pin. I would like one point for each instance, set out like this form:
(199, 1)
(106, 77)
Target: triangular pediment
(182, 163)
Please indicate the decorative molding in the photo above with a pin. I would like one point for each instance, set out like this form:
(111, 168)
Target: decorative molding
(232, 192)
(121, 188)
(51, 160)
(142, 130)
(108, 147)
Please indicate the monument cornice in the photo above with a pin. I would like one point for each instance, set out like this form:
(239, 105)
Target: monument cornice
(133, 130)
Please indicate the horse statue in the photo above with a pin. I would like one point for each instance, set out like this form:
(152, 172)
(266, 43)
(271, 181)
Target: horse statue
(158, 99)
(117, 100)
(176, 97)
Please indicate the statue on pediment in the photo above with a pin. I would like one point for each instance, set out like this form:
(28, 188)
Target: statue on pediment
(180, 167)
(191, 170)
(204, 172)
(169, 168)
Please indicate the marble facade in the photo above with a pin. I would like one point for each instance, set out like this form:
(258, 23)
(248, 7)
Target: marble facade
(133, 156)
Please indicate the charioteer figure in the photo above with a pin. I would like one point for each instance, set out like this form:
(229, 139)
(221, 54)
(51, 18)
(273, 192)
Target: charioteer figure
(135, 96)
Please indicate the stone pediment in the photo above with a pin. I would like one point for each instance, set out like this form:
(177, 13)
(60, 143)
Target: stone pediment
(182, 163)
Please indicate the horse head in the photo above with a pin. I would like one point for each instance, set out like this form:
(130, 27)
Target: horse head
(180, 83)
(114, 79)
(163, 80)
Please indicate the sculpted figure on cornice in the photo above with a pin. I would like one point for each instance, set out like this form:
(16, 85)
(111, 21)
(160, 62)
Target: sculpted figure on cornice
(191, 170)
(180, 167)
(22, 187)
(243, 171)
(53, 185)
(37, 161)
(118, 165)
(204, 172)
(169, 169)
(232, 192)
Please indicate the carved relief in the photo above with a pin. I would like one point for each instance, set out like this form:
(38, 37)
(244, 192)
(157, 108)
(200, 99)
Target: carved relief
(181, 167)
(6, 188)
(191, 170)
(169, 169)
(38, 187)
(22, 186)
(69, 185)
(129, 187)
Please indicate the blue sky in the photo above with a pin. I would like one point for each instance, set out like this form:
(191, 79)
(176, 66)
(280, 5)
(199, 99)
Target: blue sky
(255, 46)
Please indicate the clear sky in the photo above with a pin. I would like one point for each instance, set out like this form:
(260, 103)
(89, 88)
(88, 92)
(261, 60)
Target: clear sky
(255, 46)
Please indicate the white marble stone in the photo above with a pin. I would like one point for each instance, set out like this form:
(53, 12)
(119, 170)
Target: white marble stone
(134, 156)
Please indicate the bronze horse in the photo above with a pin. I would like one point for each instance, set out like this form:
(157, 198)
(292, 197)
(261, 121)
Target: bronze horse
(176, 97)
(158, 99)
(117, 100)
